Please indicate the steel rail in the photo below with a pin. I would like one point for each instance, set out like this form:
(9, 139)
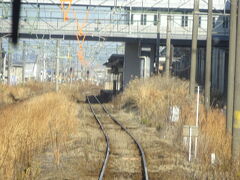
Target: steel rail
(143, 158)
(100, 177)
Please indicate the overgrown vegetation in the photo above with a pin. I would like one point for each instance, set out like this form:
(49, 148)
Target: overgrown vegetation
(32, 125)
(151, 99)
(79, 90)
(12, 94)
(76, 91)
(214, 139)
(49, 119)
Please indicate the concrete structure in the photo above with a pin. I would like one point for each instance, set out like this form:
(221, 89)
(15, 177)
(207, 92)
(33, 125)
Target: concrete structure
(32, 71)
(16, 74)
(173, 4)
(119, 21)
(115, 73)
(100, 76)
(138, 62)
(16, 71)
(145, 63)
(131, 66)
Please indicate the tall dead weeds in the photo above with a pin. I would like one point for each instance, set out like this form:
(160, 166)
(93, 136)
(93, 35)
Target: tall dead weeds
(12, 94)
(151, 100)
(28, 127)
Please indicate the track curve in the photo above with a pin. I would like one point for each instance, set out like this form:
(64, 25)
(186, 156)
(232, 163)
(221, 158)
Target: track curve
(107, 139)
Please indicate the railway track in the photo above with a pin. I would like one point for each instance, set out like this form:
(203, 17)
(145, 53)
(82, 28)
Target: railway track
(104, 126)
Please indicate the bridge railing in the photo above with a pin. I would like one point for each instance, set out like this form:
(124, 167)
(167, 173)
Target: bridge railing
(135, 3)
(119, 28)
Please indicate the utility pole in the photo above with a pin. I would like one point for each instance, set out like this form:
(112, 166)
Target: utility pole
(172, 54)
(157, 44)
(71, 65)
(52, 68)
(1, 59)
(9, 62)
(57, 67)
(44, 63)
(77, 69)
(24, 62)
(231, 65)
(208, 57)
(236, 119)
(194, 47)
(51, 64)
(3, 64)
(168, 46)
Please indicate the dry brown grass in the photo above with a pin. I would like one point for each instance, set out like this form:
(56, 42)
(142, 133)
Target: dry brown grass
(28, 127)
(79, 90)
(76, 91)
(11, 94)
(151, 100)
(214, 139)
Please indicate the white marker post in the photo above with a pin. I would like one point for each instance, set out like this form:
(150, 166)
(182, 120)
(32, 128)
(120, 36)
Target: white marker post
(190, 144)
(197, 119)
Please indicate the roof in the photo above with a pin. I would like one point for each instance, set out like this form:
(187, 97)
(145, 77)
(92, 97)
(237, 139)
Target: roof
(17, 65)
(115, 60)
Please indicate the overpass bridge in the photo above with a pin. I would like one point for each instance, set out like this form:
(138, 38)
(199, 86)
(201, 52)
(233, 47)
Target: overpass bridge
(136, 22)
(146, 4)
(115, 20)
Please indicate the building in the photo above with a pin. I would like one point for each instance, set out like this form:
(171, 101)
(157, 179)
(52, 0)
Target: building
(16, 71)
(16, 74)
(115, 72)
(32, 72)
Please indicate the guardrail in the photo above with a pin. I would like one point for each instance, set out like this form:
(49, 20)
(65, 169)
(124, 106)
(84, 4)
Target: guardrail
(111, 26)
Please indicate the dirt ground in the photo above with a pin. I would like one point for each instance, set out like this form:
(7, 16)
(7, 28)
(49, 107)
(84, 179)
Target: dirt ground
(164, 160)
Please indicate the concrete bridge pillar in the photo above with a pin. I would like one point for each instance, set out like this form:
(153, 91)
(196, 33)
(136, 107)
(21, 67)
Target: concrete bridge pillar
(132, 62)
(131, 68)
